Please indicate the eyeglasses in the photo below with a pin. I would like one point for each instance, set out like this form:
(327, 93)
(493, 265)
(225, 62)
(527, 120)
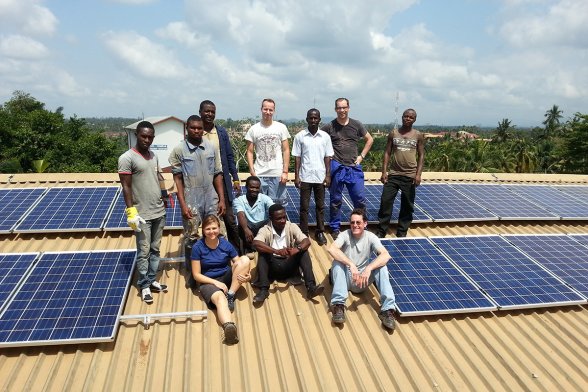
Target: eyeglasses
(341, 107)
(356, 223)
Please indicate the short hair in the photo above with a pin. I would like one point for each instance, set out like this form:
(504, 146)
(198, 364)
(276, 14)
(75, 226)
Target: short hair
(360, 212)
(250, 179)
(275, 208)
(341, 99)
(208, 220)
(410, 110)
(144, 124)
(204, 103)
(268, 100)
(193, 117)
(313, 110)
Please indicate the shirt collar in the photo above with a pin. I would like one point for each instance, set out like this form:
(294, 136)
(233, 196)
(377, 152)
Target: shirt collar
(193, 147)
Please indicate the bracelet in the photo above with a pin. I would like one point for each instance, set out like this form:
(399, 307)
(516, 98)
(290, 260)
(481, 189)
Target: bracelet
(362, 156)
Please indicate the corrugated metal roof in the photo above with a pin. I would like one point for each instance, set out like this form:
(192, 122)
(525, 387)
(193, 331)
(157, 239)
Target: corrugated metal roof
(290, 344)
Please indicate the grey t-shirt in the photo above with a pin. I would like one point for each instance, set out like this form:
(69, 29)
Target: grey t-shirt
(145, 183)
(344, 139)
(360, 249)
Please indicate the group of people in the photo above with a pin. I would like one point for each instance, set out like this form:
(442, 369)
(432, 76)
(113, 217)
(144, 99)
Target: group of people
(206, 179)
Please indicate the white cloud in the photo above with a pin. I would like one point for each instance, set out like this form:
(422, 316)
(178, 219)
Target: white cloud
(27, 16)
(20, 47)
(148, 58)
(180, 32)
(133, 2)
(564, 23)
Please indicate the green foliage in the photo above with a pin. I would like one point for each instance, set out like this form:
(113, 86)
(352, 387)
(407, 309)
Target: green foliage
(29, 133)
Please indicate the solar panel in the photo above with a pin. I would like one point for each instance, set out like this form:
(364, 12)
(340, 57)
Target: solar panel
(425, 281)
(578, 191)
(117, 220)
(560, 254)
(503, 202)
(554, 200)
(73, 297)
(13, 267)
(293, 207)
(69, 209)
(505, 274)
(14, 203)
(581, 238)
(373, 194)
(444, 204)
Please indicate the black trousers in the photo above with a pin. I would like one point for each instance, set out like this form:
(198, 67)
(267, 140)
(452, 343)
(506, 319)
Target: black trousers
(271, 267)
(231, 224)
(391, 188)
(306, 188)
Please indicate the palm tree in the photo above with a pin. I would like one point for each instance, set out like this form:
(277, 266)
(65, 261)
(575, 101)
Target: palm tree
(551, 122)
(503, 131)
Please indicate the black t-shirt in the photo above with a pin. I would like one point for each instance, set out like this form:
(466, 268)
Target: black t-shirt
(344, 139)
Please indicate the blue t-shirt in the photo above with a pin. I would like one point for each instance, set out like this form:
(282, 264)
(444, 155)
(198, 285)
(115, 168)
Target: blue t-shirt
(214, 262)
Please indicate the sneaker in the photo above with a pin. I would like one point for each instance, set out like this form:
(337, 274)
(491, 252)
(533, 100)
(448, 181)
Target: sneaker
(335, 234)
(230, 331)
(320, 238)
(157, 287)
(261, 296)
(388, 320)
(146, 295)
(231, 301)
(314, 291)
(338, 314)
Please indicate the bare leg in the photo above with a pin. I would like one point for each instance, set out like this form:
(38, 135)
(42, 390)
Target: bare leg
(222, 307)
(241, 267)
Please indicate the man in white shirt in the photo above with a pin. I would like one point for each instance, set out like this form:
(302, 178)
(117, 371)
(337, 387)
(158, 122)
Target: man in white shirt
(269, 140)
(313, 150)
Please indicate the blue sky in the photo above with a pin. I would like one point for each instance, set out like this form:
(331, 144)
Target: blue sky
(457, 62)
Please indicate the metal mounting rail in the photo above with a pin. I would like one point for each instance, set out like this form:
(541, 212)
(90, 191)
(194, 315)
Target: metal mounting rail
(147, 319)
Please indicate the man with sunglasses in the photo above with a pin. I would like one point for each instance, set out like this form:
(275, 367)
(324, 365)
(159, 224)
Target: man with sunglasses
(354, 270)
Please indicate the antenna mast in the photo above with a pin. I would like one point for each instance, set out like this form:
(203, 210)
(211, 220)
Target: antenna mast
(396, 112)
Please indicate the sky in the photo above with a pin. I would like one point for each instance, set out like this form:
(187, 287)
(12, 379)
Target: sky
(457, 62)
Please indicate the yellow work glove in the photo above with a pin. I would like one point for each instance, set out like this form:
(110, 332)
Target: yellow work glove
(133, 218)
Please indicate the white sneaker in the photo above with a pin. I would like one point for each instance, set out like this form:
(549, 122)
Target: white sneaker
(146, 295)
(156, 286)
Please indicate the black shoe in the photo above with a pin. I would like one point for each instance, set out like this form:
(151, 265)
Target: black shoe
(157, 287)
(335, 234)
(231, 301)
(320, 238)
(381, 234)
(230, 330)
(338, 311)
(400, 235)
(314, 291)
(261, 296)
(388, 320)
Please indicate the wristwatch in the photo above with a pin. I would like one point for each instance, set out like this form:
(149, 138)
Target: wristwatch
(298, 247)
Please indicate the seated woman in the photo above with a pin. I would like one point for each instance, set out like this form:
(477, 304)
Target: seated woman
(219, 271)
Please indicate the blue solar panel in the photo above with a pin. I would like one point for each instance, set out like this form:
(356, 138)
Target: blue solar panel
(13, 267)
(560, 254)
(444, 204)
(14, 203)
(293, 207)
(425, 281)
(118, 218)
(505, 274)
(578, 191)
(581, 238)
(69, 209)
(503, 202)
(69, 298)
(554, 200)
(373, 194)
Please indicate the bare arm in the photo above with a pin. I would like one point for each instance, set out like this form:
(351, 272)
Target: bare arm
(285, 160)
(203, 279)
(262, 247)
(220, 191)
(249, 154)
(179, 182)
(369, 140)
(386, 158)
(421, 160)
(297, 172)
(327, 180)
(127, 188)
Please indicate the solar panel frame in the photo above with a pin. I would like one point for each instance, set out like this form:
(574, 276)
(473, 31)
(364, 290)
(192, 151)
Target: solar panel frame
(15, 204)
(552, 199)
(69, 209)
(502, 274)
(503, 202)
(560, 254)
(581, 238)
(373, 194)
(444, 204)
(426, 282)
(69, 298)
(117, 219)
(13, 268)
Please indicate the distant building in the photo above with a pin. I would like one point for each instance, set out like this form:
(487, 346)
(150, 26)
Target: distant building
(169, 131)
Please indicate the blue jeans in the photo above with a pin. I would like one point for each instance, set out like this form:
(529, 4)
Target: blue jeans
(342, 283)
(148, 242)
(272, 187)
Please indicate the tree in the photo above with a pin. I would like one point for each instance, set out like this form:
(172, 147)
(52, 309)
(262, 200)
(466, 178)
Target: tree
(503, 131)
(552, 121)
(576, 144)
